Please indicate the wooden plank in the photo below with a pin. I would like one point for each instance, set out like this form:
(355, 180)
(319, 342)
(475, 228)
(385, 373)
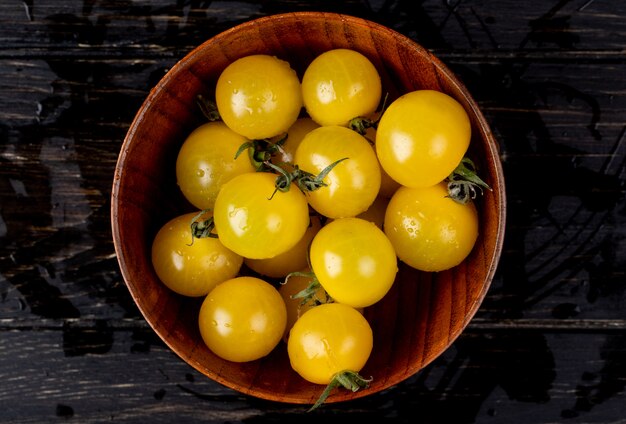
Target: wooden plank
(96, 374)
(166, 28)
(546, 346)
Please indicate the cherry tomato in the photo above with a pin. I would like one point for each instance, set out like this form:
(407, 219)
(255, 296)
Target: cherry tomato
(354, 261)
(259, 96)
(206, 160)
(191, 269)
(340, 85)
(242, 319)
(329, 339)
(255, 220)
(353, 184)
(421, 137)
(429, 230)
(292, 260)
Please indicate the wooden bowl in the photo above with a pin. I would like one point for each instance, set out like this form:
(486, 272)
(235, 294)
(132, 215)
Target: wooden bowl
(423, 313)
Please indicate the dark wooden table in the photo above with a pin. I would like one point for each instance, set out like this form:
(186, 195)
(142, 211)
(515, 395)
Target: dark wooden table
(548, 345)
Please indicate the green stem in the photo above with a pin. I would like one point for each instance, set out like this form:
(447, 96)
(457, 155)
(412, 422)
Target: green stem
(202, 228)
(208, 108)
(348, 379)
(464, 182)
(360, 124)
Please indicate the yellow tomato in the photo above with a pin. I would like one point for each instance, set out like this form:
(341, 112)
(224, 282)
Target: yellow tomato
(353, 184)
(255, 220)
(430, 231)
(191, 269)
(259, 96)
(206, 160)
(242, 319)
(354, 261)
(327, 340)
(421, 137)
(339, 85)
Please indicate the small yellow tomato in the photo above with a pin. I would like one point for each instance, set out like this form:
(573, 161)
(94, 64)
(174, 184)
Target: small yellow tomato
(421, 137)
(206, 160)
(242, 319)
(339, 85)
(327, 340)
(259, 96)
(430, 231)
(354, 261)
(353, 184)
(191, 268)
(255, 220)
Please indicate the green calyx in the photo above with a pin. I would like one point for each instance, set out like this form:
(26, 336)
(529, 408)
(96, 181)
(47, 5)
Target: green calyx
(261, 151)
(202, 228)
(360, 124)
(305, 181)
(348, 379)
(310, 294)
(208, 108)
(464, 182)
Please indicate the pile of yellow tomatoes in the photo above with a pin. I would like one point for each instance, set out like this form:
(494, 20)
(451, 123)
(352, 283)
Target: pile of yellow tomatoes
(309, 191)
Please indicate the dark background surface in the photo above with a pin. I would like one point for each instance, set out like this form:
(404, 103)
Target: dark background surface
(548, 345)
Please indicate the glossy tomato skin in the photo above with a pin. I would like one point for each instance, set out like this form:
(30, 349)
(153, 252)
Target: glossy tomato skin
(259, 96)
(206, 160)
(242, 319)
(256, 221)
(421, 137)
(339, 85)
(191, 269)
(294, 259)
(329, 339)
(429, 230)
(388, 185)
(354, 261)
(353, 184)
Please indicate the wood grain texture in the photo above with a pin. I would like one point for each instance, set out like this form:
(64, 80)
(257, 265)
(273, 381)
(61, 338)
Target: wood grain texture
(549, 77)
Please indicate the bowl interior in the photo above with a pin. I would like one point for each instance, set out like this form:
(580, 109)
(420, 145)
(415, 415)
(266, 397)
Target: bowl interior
(422, 314)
